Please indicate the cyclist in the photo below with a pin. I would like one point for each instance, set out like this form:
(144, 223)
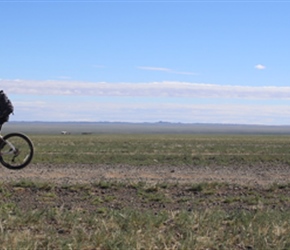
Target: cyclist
(3, 118)
(6, 108)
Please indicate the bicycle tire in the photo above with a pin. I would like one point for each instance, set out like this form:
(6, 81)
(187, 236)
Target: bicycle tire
(24, 151)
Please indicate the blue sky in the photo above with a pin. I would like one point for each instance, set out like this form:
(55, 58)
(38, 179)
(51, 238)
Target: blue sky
(147, 61)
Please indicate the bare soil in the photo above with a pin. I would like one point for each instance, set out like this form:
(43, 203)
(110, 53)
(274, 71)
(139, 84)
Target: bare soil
(259, 174)
(77, 186)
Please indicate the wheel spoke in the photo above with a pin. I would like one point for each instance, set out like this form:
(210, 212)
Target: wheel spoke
(17, 151)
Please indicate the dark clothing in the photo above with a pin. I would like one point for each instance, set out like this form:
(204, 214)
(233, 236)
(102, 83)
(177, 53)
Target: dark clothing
(6, 108)
(4, 118)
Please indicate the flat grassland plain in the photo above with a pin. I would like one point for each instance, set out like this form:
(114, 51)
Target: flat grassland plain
(148, 186)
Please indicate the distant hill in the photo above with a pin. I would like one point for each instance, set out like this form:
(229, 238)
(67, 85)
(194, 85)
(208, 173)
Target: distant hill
(131, 128)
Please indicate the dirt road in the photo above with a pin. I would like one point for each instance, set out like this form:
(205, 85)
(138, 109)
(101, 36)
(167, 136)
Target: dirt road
(85, 173)
(247, 187)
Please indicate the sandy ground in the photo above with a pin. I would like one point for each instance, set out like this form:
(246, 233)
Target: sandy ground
(247, 187)
(86, 173)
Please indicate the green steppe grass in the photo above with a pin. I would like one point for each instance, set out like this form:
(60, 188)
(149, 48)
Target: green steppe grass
(127, 229)
(176, 150)
(61, 228)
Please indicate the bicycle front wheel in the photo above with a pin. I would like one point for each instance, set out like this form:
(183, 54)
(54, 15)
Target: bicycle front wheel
(16, 151)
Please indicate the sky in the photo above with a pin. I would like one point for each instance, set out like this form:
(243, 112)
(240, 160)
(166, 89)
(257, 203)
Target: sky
(147, 61)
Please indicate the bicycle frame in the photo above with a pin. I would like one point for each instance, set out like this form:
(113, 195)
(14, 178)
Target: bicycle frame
(12, 148)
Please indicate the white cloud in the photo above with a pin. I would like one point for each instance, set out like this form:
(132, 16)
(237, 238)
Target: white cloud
(150, 89)
(166, 70)
(152, 112)
(260, 66)
(181, 102)
(154, 68)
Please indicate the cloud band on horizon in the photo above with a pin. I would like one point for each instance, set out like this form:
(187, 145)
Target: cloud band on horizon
(153, 89)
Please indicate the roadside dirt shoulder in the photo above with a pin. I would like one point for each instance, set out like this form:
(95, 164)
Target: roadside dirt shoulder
(230, 188)
(88, 173)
